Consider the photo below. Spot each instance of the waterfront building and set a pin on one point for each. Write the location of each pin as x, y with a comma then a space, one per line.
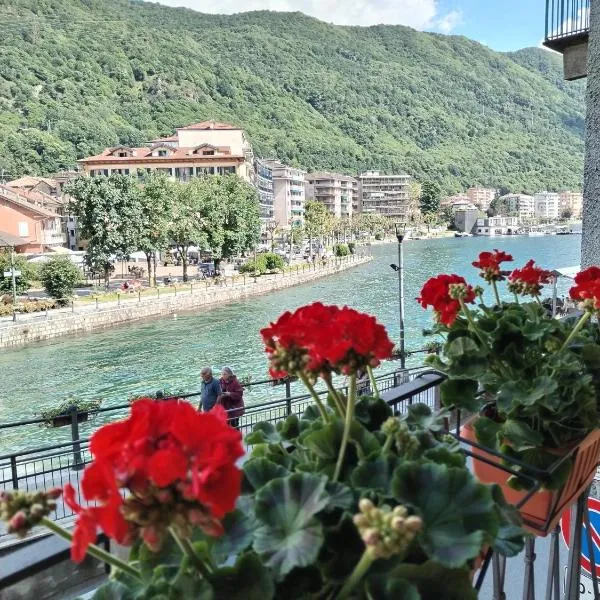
289, 194
493, 226
451, 200
263, 182
339, 193
481, 196
520, 205
32, 220
206, 148
387, 195
546, 205
570, 201
464, 204
465, 219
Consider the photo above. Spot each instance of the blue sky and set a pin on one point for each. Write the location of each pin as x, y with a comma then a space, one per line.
500, 24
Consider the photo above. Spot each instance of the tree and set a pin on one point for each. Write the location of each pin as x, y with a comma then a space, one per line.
157, 199
431, 195
110, 215
317, 221
566, 213
414, 199
60, 276
29, 272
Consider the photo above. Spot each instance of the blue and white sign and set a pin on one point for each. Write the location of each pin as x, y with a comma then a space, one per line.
565, 526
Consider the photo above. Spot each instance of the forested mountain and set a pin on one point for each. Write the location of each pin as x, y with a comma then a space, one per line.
79, 75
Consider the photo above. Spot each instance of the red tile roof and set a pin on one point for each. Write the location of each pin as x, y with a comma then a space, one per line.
19, 200
209, 125
145, 154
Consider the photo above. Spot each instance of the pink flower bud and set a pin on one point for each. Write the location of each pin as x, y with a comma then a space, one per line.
54, 493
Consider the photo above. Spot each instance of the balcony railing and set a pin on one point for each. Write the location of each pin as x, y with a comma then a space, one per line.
567, 22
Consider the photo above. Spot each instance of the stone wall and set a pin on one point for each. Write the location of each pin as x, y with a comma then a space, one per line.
67, 322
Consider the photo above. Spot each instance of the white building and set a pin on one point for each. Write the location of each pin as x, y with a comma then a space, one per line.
493, 226
338, 192
546, 205
289, 194
520, 205
387, 195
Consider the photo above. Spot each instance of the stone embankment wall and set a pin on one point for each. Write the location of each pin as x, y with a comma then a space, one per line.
68, 322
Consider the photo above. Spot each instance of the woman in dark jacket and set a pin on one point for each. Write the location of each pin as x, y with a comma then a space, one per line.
232, 396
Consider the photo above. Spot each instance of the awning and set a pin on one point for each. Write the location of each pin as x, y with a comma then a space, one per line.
566, 272
8, 240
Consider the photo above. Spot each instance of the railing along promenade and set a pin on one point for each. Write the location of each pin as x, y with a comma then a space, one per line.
566, 20
56, 464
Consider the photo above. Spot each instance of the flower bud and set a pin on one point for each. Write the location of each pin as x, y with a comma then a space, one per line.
365, 505
414, 523
18, 522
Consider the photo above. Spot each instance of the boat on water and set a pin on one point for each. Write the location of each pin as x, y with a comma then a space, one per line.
535, 232
462, 234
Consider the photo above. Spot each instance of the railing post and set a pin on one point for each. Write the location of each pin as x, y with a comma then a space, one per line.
77, 460
96, 303
72, 306
118, 299
13, 472
288, 396
139, 295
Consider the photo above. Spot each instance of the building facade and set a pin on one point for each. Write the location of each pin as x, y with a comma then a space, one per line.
387, 195
465, 219
339, 193
492, 226
546, 205
520, 205
263, 182
572, 202
289, 194
206, 148
481, 197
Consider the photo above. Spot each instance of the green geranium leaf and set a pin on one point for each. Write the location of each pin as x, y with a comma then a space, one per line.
420, 416
263, 433
259, 471
341, 551
340, 495
290, 428
591, 355
189, 585
457, 511
443, 455
486, 431
460, 393
372, 412
273, 452
290, 536
169, 555
380, 587
376, 475
461, 347
511, 537
521, 436
248, 579
300, 584
311, 413
113, 590
435, 582
239, 528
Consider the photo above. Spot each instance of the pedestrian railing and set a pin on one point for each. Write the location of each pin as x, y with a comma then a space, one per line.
566, 21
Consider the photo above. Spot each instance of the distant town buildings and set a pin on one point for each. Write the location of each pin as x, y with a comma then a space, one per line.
339, 193
289, 194
493, 226
206, 148
520, 205
263, 181
546, 205
570, 201
481, 197
387, 195
465, 219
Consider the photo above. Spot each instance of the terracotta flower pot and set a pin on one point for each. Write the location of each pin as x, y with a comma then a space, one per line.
543, 510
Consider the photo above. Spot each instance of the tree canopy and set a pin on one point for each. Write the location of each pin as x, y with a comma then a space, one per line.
81, 75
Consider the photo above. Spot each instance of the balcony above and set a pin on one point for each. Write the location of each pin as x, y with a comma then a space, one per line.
567, 32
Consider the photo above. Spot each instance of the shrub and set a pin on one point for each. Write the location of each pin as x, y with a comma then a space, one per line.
352, 247
273, 261
28, 270
254, 266
59, 277
379, 236
341, 250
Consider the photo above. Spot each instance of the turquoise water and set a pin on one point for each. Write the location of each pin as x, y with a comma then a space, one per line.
147, 356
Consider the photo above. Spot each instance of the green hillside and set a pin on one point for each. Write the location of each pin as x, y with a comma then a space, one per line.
79, 75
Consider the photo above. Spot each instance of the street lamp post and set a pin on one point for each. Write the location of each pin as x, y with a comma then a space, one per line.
399, 268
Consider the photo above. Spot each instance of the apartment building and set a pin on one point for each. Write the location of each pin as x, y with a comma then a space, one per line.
572, 201
546, 205
520, 205
387, 195
263, 182
206, 148
481, 197
493, 226
289, 194
339, 193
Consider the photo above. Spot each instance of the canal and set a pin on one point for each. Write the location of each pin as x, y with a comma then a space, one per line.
168, 353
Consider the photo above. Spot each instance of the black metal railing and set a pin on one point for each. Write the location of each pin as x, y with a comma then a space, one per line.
566, 22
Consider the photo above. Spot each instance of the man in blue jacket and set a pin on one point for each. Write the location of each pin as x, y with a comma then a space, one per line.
210, 389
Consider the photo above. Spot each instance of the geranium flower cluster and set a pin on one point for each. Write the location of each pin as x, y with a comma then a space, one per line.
320, 340
489, 264
587, 289
178, 465
23, 510
444, 293
529, 280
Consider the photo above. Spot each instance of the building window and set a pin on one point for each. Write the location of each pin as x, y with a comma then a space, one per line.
162, 153
23, 229
208, 153
72, 232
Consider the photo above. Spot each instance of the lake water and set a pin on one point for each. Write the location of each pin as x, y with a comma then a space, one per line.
146, 356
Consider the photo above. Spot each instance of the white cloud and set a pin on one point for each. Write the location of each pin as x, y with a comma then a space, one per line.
420, 14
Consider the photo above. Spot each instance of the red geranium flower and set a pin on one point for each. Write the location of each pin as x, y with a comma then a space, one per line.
587, 288
442, 293
169, 456
529, 279
319, 339
489, 263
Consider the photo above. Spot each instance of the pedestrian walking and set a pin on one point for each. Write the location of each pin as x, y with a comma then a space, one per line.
232, 396
210, 390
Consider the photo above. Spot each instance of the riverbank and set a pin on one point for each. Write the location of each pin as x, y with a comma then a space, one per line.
89, 317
